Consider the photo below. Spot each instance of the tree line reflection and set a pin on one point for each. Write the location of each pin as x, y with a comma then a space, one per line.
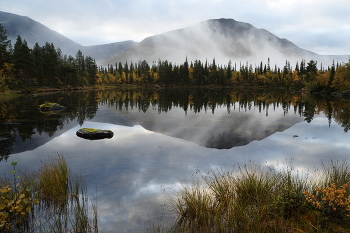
20, 118
209, 100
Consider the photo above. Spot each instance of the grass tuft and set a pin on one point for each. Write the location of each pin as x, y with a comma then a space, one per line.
255, 199
53, 176
50, 200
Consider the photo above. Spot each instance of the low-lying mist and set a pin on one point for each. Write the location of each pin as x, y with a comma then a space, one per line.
222, 40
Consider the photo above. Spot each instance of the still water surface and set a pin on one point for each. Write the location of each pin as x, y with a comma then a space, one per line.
162, 138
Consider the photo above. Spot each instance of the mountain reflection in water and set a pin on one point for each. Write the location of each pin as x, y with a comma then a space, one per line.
221, 131
162, 138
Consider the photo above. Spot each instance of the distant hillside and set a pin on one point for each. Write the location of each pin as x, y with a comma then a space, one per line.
33, 31
107, 51
222, 39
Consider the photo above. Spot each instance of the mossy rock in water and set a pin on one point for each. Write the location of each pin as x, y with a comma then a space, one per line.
92, 134
47, 106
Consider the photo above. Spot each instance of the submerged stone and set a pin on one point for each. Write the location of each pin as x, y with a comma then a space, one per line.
93, 134
51, 107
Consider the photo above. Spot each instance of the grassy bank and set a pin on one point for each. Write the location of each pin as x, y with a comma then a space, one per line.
48, 200
251, 199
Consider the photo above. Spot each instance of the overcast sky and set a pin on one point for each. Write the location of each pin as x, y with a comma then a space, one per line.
321, 26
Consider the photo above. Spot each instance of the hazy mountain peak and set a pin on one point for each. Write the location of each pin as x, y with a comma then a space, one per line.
223, 39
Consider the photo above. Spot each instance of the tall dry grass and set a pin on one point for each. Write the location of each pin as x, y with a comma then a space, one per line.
255, 199
62, 203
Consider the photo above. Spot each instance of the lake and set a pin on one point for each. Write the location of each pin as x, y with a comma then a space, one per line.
163, 137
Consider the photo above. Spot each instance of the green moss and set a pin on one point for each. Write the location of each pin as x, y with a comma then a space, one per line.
90, 130
48, 105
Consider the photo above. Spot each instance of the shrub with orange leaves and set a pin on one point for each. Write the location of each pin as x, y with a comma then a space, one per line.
16, 202
333, 202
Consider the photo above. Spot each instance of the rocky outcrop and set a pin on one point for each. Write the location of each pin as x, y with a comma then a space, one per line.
93, 134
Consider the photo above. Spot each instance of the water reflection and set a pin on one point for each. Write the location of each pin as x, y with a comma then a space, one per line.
230, 126
23, 127
128, 171
158, 144
222, 131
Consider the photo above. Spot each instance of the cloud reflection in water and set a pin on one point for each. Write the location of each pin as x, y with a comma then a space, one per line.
127, 172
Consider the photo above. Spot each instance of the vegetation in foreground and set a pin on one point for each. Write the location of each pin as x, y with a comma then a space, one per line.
48, 200
251, 199
248, 199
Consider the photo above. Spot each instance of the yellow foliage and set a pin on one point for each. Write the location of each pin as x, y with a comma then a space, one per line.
13, 205
333, 200
99, 81
296, 77
123, 77
155, 77
322, 78
111, 78
339, 81
262, 78
295, 100
6, 75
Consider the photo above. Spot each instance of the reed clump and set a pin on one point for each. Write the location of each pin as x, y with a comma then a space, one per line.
53, 179
255, 199
51, 199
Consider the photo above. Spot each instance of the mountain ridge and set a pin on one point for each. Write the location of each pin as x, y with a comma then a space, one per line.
222, 39
32, 31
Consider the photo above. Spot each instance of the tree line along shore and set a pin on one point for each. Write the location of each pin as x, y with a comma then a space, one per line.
27, 68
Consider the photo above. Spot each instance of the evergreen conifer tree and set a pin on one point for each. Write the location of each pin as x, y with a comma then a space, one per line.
4, 45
